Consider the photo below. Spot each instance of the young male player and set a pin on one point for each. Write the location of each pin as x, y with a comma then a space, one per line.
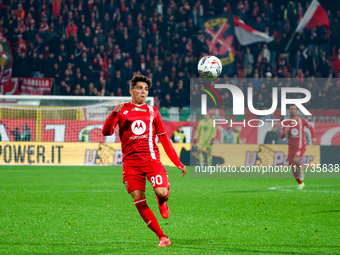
297, 143
139, 123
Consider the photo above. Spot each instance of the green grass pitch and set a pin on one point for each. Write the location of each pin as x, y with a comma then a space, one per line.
86, 210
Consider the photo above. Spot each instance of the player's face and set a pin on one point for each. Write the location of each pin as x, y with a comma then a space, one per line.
293, 111
139, 92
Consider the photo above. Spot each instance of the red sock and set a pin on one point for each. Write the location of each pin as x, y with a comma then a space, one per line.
148, 217
296, 173
161, 200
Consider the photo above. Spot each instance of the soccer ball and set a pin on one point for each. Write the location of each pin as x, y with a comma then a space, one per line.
209, 67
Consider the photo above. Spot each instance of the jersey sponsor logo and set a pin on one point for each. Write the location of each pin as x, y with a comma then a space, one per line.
138, 109
294, 131
138, 127
139, 137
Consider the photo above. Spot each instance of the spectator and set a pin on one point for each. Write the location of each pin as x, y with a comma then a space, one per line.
237, 135
25, 134
228, 135
248, 61
178, 136
271, 136
15, 133
85, 137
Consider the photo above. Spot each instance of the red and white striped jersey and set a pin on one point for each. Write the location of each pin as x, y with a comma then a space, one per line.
138, 127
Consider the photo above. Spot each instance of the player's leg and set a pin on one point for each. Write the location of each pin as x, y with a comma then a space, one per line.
135, 185
208, 148
298, 162
200, 158
162, 194
158, 177
200, 147
146, 213
295, 168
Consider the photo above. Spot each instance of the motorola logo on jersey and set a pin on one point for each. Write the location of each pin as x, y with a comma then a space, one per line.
138, 127
294, 132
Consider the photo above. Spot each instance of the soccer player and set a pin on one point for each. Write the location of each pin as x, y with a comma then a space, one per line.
139, 123
297, 143
207, 132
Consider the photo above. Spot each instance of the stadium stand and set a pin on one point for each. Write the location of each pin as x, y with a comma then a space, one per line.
94, 47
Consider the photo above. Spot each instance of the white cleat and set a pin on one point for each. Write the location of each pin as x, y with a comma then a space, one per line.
300, 186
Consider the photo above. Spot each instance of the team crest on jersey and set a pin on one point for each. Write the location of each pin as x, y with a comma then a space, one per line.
138, 109
138, 127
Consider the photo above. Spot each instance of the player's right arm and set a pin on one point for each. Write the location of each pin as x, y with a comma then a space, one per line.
284, 132
112, 120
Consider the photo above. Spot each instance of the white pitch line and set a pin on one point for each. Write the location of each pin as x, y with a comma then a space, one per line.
286, 188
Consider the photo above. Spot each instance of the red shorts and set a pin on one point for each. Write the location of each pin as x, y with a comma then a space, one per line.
295, 152
134, 176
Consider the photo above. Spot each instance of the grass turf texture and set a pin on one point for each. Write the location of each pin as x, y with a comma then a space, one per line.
86, 210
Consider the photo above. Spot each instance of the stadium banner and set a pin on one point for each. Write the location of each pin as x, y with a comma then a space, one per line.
36, 86
221, 41
10, 129
72, 130
11, 87
259, 161
327, 133
44, 153
324, 116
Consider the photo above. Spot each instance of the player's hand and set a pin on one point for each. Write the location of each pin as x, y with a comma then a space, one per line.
211, 141
183, 169
118, 108
286, 130
314, 141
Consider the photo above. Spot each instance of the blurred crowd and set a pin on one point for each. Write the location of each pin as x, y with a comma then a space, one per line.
94, 47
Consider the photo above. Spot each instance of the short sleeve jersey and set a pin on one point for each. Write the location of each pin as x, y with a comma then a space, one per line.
138, 127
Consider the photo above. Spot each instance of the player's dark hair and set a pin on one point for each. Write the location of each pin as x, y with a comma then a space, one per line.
141, 78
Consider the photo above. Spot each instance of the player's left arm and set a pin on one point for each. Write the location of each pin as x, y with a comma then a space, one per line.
167, 145
311, 129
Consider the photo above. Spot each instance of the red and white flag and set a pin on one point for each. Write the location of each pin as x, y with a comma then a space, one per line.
248, 35
314, 16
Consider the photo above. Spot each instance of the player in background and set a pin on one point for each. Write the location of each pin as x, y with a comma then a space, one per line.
139, 123
297, 143
206, 133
